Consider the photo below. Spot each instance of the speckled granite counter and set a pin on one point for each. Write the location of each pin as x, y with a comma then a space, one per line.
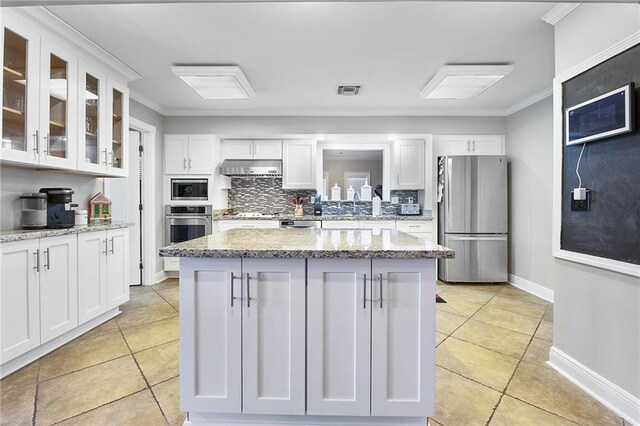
308, 243
23, 234
327, 217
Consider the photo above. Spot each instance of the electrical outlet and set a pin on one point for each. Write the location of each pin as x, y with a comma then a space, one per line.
581, 205
394, 200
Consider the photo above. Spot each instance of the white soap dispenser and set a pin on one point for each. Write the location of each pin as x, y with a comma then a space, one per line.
335, 193
365, 191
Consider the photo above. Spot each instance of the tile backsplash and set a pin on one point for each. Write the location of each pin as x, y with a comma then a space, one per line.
265, 195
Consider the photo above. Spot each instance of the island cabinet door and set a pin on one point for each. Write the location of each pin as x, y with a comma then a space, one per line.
403, 332
338, 337
210, 335
273, 338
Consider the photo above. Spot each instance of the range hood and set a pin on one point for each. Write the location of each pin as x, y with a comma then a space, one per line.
255, 168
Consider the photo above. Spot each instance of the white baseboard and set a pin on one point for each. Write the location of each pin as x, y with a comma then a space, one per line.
609, 394
531, 287
161, 276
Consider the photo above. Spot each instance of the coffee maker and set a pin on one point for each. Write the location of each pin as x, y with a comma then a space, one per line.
59, 213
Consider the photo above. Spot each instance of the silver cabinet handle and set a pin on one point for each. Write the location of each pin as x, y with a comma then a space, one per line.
36, 136
468, 145
112, 251
364, 297
105, 156
232, 296
398, 178
380, 290
248, 291
111, 155
106, 248
184, 163
47, 142
189, 163
37, 255
46, 265
473, 145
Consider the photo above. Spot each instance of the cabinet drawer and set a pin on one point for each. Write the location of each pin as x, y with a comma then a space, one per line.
377, 224
414, 226
339, 224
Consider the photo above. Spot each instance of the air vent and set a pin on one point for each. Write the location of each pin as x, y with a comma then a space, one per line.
348, 90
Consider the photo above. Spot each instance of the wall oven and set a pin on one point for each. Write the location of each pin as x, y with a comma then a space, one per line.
189, 189
184, 223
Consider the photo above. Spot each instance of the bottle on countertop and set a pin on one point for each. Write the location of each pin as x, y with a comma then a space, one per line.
365, 191
335, 193
317, 206
350, 193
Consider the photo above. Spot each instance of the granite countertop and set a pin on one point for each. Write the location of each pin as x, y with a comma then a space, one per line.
30, 234
309, 243
326, 217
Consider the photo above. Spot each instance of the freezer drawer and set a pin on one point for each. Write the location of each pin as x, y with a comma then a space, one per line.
479, 259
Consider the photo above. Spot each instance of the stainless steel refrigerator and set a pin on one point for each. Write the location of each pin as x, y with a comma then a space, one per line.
472, 218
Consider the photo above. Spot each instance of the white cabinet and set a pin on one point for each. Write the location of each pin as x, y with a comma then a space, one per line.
408, 162
403, 332
417, 228
242, 335
471, 145
19, 298
273, 336
225, 225
92, 275
58, 286
298, 164
395, 298
338, 337
251, 149
103, 268
56, 109
211, 335
188, 154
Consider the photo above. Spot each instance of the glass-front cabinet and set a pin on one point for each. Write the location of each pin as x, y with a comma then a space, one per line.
92, 99
61, 108
118, 101
20, 86
58, 105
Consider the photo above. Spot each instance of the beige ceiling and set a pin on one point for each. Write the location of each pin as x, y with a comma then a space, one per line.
296, 54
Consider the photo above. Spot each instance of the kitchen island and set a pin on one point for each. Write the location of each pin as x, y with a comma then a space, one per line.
307, 326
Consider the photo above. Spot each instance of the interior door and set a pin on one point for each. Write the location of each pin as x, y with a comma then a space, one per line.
403, 332
338, 337
479, 258
273, 336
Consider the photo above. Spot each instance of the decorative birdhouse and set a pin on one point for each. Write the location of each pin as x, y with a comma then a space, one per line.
99, 209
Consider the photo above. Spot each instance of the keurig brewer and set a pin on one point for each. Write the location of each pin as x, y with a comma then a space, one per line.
59, 213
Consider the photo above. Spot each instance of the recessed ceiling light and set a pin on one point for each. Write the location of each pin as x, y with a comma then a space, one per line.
463, 81
216, 82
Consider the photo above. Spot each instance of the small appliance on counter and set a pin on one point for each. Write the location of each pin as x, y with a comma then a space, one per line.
82, 217
59, 213
34, 210
409, 209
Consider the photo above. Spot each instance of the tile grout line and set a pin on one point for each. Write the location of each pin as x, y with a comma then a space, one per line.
35, 397
144, 377
465, 321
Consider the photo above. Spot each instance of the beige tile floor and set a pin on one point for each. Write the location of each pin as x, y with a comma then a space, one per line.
492, 342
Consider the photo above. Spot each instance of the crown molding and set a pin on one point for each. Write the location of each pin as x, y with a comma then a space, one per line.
334, 112
141, 99
60, 29
556, 14
533, 99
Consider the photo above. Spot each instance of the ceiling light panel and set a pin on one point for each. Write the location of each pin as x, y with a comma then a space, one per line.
463, 81
216, 82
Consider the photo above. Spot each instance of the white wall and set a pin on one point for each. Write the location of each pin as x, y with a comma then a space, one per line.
597, 312
530, 155
337, 125
337, 167
18, 180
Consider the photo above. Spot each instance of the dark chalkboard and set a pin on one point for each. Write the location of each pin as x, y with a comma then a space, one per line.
610, 169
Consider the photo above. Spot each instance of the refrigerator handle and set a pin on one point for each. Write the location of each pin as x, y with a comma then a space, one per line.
447, 190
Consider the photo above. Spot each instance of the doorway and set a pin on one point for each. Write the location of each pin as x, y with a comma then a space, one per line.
133, 201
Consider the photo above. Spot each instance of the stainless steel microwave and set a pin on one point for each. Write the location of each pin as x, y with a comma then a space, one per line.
190, 189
